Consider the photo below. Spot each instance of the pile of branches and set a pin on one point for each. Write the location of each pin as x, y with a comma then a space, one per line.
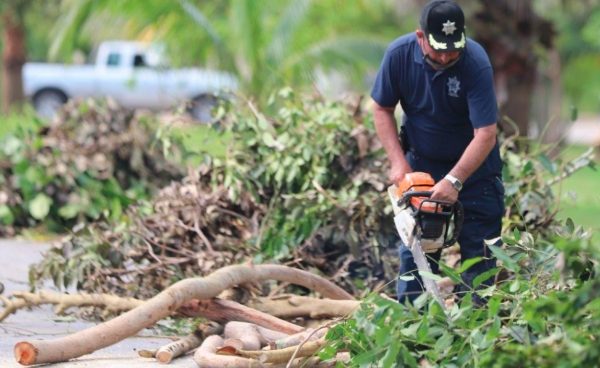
303, 184
252, 336
314, 199
190, 229
92, 161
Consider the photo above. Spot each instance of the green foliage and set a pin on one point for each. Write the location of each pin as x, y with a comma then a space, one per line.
581, 78
543, 312
540, 317
22, 123
577, 24
530, 178
77, 170
303, 161
302, 172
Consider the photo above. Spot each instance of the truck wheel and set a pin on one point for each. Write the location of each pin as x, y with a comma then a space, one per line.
48, 102
201, 108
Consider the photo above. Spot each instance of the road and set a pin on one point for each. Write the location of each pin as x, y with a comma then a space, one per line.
42, 323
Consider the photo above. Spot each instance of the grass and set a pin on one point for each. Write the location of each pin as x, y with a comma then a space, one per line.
579, 195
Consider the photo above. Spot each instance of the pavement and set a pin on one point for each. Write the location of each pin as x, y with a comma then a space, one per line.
586, 130
42, 323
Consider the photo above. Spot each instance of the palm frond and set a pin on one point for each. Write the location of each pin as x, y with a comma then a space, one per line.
248, 37
224, 54
286, 28
68, 28
354, 54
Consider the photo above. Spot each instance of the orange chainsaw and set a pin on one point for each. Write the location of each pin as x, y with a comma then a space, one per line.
425, 225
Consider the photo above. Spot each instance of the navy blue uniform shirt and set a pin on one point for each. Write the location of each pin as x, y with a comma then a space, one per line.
441, 108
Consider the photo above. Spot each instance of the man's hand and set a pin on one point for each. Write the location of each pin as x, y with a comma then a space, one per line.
397, 171
385, 126
444, 191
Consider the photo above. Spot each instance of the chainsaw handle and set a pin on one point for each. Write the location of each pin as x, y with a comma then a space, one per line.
459, 216
457, 209
408, 195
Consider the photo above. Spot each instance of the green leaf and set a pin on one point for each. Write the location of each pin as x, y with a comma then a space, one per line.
468, 264
574, 113
451, 273
430, 275
443, 343
547, 163
389, 359
367, 357
507, 261
268, 140
11, 145
423, 330
570, 225
39, 207
493, 306
517, 235
410, 331
484, 276
6, 215
514, 286
69, 211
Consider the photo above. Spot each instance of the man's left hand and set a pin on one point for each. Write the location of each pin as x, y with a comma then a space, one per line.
444, 191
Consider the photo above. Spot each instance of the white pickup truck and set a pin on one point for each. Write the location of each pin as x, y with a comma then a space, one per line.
133, 74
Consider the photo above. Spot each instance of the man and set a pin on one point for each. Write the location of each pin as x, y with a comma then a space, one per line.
444, 83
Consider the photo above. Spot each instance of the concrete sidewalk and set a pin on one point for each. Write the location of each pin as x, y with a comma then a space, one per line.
42, 323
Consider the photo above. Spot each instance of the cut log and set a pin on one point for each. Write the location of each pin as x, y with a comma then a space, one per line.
252, 336
22, 299
247, 333
291, 306
280, 356
167, 353
296, 339
206, 357
162, 305
226, 310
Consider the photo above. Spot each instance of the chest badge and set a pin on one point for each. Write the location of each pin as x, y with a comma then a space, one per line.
453, 86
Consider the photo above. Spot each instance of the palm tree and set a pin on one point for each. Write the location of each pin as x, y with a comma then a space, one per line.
247, 38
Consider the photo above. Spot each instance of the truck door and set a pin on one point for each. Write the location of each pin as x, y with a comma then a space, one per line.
127, 78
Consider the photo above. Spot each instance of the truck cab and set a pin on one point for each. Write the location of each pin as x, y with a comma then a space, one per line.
134, 74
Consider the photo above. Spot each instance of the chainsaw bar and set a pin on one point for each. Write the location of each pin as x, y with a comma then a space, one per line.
409, 234
423, 266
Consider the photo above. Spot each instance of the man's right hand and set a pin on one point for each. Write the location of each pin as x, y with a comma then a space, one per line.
385, 126
397, 171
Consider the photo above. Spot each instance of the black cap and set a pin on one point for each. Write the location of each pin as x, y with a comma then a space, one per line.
443, 23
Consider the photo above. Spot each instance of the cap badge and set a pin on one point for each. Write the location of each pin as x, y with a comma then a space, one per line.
449, 27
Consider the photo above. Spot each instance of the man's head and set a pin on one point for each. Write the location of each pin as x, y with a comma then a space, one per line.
442, 33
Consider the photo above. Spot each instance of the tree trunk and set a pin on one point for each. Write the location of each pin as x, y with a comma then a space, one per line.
510, 31
13, 59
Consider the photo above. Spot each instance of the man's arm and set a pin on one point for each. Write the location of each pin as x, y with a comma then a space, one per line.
387, 131
477, 151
